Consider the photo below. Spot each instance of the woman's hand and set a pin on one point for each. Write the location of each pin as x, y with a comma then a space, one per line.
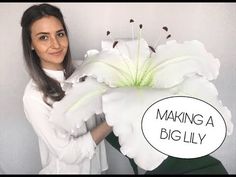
100, 132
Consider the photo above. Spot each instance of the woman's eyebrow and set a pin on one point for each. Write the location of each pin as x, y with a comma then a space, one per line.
41, 33
60, 30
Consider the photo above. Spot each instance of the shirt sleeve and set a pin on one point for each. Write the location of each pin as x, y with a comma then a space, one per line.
59, 142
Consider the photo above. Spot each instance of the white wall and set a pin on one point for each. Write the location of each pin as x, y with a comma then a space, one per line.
212, 23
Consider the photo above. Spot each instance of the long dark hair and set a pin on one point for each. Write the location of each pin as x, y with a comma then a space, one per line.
49, 86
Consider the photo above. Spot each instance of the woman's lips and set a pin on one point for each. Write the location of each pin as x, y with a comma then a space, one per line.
58, 53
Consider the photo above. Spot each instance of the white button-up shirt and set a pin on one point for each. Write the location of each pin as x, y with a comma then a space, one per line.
72, 152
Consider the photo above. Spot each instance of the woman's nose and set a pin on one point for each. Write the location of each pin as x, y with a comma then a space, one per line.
55, 43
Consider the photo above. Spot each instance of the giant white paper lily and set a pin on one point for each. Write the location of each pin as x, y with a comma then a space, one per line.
135, 79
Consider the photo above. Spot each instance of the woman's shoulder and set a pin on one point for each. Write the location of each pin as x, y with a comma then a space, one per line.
34, 106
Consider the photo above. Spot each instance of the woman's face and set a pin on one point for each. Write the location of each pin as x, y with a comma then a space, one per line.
50, 42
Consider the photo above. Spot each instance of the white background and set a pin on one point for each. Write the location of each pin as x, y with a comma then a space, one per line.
214, 24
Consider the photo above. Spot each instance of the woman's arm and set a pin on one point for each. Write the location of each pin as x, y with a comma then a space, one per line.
66, 148
100, 132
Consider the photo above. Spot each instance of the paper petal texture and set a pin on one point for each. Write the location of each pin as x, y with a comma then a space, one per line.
201, 88
124, 108
81, 102
174, 61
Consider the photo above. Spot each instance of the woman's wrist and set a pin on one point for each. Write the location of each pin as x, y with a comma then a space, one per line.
100, 132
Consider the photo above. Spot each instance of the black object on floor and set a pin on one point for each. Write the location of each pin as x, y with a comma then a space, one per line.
201, 165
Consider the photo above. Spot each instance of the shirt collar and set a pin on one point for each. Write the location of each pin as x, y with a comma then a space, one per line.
55, 74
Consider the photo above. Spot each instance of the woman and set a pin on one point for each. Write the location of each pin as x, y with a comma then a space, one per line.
48, 60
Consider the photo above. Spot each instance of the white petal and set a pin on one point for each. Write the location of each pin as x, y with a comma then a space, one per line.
116, 66
108, 67
81, 102
201, 88
123, 108
174, 61
91, 52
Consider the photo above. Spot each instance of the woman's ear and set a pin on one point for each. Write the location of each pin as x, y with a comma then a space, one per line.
32, 48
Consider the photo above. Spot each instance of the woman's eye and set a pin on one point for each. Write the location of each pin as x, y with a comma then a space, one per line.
61, 34
43, 38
